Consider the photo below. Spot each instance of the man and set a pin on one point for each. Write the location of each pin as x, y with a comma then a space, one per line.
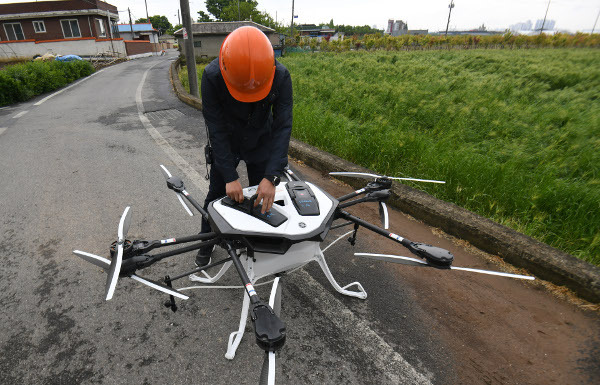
247, 108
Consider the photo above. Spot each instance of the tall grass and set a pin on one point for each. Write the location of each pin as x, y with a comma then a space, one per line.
21, 82
183, 76
516, 134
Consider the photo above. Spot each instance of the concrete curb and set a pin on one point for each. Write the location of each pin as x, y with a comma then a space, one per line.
520, 250
179, 90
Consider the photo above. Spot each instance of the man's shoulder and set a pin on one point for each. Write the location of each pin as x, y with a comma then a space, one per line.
213, 69
281, 72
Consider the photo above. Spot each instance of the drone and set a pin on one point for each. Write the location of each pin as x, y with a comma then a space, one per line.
270, 244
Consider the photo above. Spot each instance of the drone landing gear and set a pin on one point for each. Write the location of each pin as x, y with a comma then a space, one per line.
361, 293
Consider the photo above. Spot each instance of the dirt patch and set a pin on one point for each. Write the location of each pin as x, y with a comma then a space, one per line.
499, 330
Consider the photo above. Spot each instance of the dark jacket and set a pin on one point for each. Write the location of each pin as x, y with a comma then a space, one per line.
255, 132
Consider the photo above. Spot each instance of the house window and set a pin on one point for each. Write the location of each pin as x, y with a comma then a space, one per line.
197, 44
100, 28
70, 28
14, 31
39, 27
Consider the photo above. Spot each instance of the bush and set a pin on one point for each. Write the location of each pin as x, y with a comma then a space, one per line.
23, 81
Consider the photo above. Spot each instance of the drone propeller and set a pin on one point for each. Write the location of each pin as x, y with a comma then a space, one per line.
383, 215
417, 262
104, 263
115, 263
369, 176
168, 175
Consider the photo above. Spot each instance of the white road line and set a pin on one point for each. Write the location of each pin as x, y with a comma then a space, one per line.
2, 129
383, 356
66, 88
20, 114
183, 165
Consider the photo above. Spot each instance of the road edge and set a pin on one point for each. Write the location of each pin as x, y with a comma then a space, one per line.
518, 249
178, 87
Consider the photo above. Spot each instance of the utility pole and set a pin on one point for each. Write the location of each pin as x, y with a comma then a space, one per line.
449, 13
239, 14
594, 27
148, 20
131, 25
111, 31
178, 17
292, 24
544, 22
188, 42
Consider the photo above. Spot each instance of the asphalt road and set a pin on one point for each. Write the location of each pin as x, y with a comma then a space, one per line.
71, 163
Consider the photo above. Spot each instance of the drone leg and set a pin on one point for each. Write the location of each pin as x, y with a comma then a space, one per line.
209, 279
361, 293
236, 337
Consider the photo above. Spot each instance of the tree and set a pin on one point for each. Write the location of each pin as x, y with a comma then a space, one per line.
159, 23
215, 7
203, 17
175, 28
331, 25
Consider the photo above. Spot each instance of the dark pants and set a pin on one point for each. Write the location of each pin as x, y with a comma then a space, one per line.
216, 188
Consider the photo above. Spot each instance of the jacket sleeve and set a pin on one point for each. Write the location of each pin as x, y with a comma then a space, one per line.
281, 127
218, 131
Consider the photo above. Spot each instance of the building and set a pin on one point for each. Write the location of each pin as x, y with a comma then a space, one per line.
548, 25
51, 20
81, 27
415, 32
208, 37
396, 28
142, 31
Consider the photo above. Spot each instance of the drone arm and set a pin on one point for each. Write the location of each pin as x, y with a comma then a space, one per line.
375, 196
195, 204
142, 246
170, 253
291, 174
269, 330
435, 256
394, 237
352, 195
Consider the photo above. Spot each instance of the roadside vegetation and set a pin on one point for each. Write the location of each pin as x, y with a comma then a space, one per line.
436, 42
21, 82
515, 133
183, 76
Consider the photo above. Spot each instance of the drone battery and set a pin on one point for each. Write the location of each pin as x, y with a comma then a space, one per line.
304, 199
272, 217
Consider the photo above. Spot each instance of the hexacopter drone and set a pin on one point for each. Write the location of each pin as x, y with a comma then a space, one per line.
270, 244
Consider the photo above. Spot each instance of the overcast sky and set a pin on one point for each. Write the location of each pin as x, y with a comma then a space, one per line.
573, 15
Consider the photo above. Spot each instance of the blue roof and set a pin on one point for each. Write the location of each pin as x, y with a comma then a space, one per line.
145, 27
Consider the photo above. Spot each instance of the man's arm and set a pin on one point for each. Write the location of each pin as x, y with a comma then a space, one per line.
281, 132
219, 134
281, 128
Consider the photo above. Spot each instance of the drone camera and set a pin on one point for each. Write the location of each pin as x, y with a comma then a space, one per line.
269, 329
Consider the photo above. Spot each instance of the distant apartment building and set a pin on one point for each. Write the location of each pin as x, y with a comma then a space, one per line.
525, 26
396, 28
548, 25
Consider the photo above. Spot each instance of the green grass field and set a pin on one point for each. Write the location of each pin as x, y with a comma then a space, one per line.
515, 133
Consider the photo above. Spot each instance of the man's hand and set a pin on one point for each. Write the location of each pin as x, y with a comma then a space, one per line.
266, 194
234, 191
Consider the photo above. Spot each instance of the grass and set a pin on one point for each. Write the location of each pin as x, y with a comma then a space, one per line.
183, 76
516, 134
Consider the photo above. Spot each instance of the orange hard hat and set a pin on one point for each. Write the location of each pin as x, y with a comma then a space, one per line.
247, 63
